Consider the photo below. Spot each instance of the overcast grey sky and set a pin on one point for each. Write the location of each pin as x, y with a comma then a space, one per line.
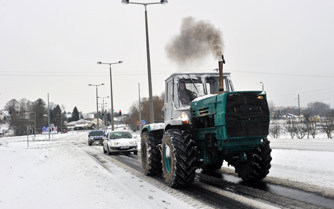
53, 46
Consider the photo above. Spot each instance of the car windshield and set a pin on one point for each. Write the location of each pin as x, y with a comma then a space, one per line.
119, 135
96, 133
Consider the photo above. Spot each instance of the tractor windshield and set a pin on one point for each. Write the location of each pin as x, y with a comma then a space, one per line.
193, 87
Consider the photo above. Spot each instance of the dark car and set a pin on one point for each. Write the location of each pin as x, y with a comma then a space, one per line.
95, 136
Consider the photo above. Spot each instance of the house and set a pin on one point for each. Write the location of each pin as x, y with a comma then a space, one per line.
4, 115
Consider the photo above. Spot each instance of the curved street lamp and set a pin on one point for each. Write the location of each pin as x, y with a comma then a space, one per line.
97, 104
148, 53
111, 93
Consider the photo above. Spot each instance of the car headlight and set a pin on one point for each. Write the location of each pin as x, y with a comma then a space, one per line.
113, 143
184, 117
133, 143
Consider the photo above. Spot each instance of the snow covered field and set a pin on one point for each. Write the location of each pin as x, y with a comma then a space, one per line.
58, 174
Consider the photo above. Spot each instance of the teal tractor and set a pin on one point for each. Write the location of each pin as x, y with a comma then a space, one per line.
206, 123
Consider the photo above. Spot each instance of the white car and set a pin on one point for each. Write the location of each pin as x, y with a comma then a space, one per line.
119, 142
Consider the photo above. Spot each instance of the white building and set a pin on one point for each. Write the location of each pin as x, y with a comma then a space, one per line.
4, 115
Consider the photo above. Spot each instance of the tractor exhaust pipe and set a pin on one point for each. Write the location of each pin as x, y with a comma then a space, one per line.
221, 79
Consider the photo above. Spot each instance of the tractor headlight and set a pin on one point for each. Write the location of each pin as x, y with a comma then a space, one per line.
184, 117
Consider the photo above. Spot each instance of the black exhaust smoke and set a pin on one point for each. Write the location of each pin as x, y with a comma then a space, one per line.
196, 40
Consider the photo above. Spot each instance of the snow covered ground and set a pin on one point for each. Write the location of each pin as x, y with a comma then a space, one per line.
304, 160
307, 161
58, 174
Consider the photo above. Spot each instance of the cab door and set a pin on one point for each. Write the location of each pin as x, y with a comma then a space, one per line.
169, 97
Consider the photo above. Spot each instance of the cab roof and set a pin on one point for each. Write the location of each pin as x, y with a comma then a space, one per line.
181, 75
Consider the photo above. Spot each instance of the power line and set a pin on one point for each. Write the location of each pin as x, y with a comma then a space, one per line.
286, 74
77, 75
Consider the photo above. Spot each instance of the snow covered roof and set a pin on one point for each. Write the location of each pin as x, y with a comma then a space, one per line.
195, 75
4, 113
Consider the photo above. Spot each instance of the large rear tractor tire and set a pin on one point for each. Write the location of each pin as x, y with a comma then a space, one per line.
257, 166
178, 153
150, 154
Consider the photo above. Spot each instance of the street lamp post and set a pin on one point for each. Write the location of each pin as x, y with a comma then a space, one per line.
148, 53
104, 115
111, 94
262, 86
97, 103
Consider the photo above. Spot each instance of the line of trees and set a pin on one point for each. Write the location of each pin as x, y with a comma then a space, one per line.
34, 115
133, 119
317, 118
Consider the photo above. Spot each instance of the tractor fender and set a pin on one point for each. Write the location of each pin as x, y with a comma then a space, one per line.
173, 124
153, 127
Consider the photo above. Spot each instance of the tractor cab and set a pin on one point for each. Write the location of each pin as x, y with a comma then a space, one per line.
183, 88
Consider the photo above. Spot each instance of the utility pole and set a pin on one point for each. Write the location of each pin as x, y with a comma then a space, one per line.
97, 110
103, 109
49, 117
61, 123
139, 107
27, 136
34, 125
298, 106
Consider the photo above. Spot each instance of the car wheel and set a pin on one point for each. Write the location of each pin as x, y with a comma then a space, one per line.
89, 144
104, 150
135, 153
108, 151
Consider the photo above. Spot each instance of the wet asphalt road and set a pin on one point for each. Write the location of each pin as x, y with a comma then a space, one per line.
277, 195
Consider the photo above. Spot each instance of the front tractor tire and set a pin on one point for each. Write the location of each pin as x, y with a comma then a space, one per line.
257, 166
178, 155
150, 154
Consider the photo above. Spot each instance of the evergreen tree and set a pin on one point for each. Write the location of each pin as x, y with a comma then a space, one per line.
41, 114
56, 116
75, 114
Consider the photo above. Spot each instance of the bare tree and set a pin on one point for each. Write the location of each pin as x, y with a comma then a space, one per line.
327, 124
302, 130
275, 130
291, 127
307, 122
158, 103
313, 126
